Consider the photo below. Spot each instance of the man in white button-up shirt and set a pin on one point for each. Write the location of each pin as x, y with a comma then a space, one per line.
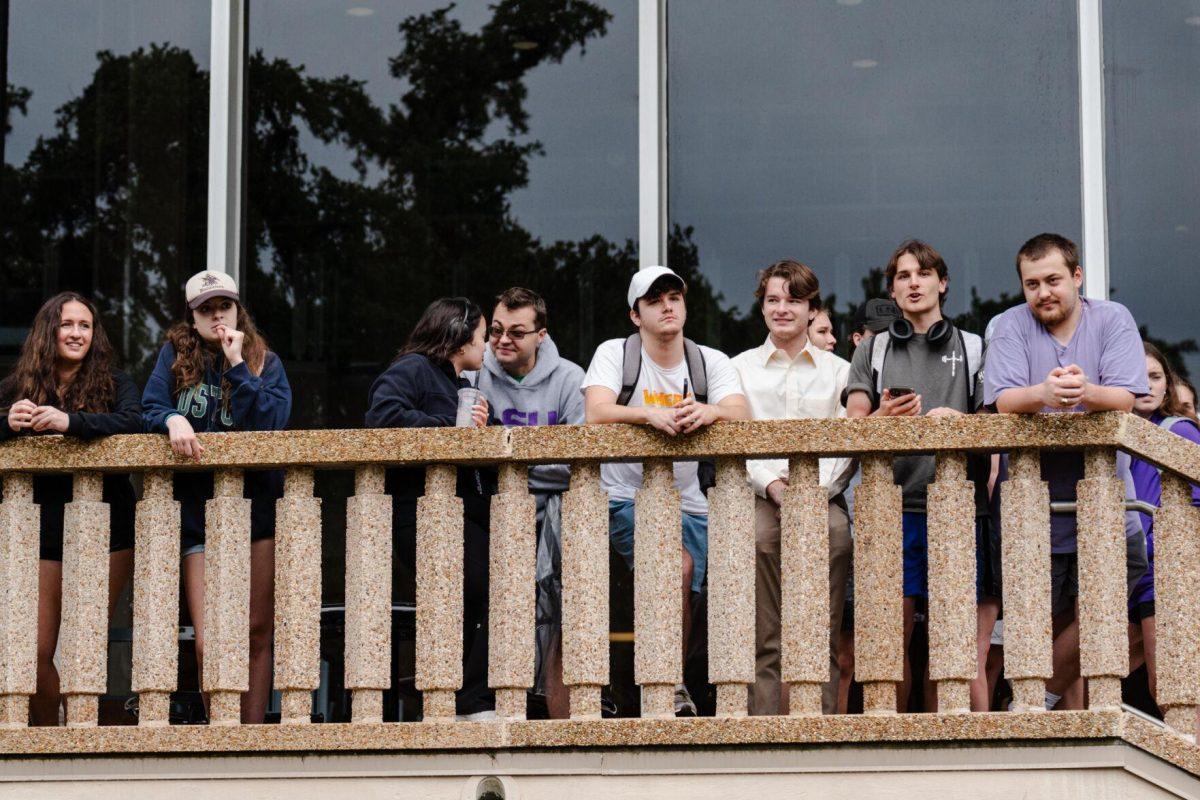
789, 377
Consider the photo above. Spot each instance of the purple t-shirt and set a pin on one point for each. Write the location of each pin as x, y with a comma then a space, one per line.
1106, 346
1148, 484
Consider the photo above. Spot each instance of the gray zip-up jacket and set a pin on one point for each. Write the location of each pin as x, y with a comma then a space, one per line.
548, 395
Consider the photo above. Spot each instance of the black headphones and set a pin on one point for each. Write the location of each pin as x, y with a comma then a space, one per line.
901, 330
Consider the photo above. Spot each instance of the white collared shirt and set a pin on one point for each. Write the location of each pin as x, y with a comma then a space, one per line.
808, 386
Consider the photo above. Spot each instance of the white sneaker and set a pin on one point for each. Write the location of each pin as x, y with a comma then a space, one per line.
684, 707
478, 716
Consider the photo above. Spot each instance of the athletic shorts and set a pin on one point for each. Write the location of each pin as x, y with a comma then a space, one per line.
916, 557
1064, 574
695, 537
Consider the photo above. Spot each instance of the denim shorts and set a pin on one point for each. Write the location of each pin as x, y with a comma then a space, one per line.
695, 537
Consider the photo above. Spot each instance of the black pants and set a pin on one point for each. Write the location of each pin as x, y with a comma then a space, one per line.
475, 695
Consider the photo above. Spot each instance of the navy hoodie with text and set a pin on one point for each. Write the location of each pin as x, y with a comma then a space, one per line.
256, 403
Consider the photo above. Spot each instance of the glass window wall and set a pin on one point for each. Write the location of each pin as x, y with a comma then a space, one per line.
831, 131
105, 161
1152, 149
400, 151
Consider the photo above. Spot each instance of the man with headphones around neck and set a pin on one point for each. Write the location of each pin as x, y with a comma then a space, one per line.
923, 364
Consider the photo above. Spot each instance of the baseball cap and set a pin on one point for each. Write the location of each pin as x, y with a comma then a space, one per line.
876, 315
642, 280
207, 285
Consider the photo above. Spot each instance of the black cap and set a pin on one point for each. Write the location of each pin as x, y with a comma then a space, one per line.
876, 315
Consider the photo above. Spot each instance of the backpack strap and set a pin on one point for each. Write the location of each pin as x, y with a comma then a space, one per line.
1169, 422
878, 354
972, 347
631, 367
696, 369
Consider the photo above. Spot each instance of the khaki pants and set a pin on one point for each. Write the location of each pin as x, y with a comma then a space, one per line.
764, 693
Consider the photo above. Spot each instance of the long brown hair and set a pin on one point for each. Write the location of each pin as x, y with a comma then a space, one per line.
1171, 406
35, 376
193, 356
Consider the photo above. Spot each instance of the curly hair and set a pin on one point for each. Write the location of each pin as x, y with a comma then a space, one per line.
194, 356
35, 376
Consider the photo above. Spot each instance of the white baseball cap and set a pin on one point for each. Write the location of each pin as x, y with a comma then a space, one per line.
207, 285
643, 278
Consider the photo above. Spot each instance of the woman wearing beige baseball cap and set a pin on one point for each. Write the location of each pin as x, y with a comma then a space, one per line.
215, 373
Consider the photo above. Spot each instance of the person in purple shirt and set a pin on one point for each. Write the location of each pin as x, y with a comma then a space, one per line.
1162, 407
1061, 353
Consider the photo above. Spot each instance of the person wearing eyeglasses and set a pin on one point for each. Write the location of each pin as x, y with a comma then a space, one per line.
529, 383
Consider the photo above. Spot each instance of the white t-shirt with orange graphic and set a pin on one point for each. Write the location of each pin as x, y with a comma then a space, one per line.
661, 387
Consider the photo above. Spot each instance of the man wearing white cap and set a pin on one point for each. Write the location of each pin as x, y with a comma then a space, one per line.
658, 378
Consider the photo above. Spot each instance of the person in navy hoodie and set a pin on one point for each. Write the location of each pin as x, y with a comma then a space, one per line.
215, 374
420, 390
65, 382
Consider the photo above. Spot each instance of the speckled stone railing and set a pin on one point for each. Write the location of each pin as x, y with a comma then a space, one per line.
298, 597
83, 641
585, 590
951, 507
804, 568
18, 600
658, 656
156, 599
1025, 561
226, 598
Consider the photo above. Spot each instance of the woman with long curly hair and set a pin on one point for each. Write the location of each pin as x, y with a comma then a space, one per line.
65, 382
216, 373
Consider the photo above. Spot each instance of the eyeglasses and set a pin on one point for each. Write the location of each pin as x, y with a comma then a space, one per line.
516, 334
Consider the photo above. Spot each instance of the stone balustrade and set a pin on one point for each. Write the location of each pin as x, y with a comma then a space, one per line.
585, 564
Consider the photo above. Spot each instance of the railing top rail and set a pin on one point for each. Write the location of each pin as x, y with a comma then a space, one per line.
551, 444
331, 449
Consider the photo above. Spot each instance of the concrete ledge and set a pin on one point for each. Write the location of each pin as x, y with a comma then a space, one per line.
549, 444
996, 754
576, 733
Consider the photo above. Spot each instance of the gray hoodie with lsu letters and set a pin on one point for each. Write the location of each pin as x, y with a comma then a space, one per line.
548, 395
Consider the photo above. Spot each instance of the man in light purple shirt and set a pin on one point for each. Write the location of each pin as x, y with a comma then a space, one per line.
1057, 353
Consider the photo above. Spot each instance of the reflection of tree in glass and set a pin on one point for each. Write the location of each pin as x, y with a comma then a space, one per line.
342, 268
112, 201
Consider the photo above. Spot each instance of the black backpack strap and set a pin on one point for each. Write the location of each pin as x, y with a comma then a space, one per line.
631, 367
697, 370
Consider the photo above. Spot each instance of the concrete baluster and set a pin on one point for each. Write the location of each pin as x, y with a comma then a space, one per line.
1103, 645
19, 524
226, 598
297, 596
440, 592
658, 629
369, 594
585, 589
952, 651
1177, 595
1025, 563
731, 586
512, 591
878, 586
83, 643
156, 599
804, 560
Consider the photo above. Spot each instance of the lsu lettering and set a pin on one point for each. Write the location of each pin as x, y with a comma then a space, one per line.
660, 399
513, 417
